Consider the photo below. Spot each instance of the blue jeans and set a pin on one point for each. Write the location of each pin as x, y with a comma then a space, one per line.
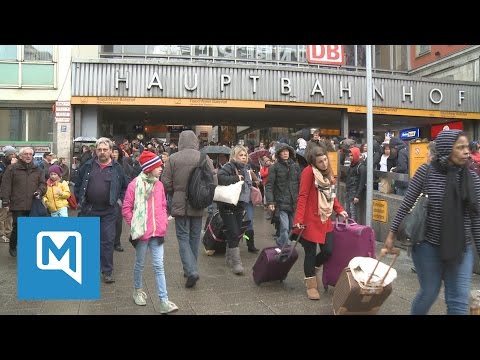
62, 212
431, 270
157, 263
249, 208
286, 223
188, 229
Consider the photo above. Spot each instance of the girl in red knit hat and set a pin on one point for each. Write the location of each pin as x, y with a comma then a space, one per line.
145, 210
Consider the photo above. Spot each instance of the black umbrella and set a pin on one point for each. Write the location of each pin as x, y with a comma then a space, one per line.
215, 149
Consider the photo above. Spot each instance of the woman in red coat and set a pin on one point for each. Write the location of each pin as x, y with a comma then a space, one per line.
316, 202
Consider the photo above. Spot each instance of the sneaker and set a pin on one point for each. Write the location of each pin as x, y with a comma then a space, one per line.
5, 239
170, 217
108, 279
139, 297
167, 307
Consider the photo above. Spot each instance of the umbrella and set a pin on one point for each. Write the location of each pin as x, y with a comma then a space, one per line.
257, 155
212, 149
85, 139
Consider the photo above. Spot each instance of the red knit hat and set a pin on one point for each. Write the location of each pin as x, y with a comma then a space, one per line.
149, 161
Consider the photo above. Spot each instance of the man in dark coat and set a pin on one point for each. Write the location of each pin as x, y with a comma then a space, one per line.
21, 182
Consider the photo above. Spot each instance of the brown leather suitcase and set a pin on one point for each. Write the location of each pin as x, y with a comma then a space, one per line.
351, 299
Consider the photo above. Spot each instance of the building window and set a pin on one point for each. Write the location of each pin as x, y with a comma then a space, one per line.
27, 65
400, 59
38, 52
26, 125
422, 50
8, 52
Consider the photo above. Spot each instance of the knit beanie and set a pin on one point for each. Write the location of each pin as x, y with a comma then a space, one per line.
149, 161
9, 150
55, 169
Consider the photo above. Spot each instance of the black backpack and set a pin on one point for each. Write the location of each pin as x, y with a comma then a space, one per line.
201, 188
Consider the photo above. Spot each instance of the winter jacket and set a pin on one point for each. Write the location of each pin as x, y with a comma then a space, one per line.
52, 200
356, 176
283, 181
307, 210
117, 186
228, 175
177, 173
19, 182
157, 220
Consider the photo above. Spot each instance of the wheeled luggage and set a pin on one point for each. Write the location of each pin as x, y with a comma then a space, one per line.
274, 263
214, 237
353, 298
349, 240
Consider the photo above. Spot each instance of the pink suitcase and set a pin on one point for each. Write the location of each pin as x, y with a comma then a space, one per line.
349, 240
274, 263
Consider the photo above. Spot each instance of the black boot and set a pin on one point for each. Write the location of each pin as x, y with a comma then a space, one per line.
250, 239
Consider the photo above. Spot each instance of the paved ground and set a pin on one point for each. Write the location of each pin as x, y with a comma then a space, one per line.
218, 291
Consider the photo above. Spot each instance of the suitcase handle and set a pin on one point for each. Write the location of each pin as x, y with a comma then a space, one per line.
345, 224
284, 256
383, 252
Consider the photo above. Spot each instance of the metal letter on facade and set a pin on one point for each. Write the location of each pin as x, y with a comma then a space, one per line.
123, 79
460, 96
317, 87
285, 86
155, 82
194, 87
348, 89
405, 94
430, 95
381, 94
226, 79
254, 78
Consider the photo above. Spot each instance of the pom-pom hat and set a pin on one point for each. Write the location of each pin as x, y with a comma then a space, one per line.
149, 161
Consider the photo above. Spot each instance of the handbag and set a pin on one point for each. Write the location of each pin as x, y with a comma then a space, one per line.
414, 224
228, 193
72, 201
256, 196
38, 208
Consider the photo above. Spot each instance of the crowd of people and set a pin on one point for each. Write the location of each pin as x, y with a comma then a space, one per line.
145, 185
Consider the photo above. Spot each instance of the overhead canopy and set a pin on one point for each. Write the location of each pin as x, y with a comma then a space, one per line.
85, 139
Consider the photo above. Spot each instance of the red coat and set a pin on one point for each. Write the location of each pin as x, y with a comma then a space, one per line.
307, 209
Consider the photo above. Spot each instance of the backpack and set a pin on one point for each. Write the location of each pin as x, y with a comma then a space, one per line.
200, 189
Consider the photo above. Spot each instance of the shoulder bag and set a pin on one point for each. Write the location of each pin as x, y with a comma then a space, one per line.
414, 224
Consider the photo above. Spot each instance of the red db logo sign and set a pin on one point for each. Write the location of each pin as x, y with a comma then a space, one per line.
326, 54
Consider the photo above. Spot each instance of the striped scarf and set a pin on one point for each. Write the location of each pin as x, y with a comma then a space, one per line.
143, 189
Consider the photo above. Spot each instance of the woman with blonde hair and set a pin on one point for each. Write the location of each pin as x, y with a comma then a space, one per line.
232, 215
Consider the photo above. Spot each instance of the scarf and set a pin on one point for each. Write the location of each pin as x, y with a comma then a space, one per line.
325, 196
457, 197
143, 189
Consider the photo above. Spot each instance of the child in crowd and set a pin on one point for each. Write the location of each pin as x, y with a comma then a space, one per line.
145, 210
57, 193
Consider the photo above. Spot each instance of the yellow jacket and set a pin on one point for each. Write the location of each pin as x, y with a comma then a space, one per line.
54, 201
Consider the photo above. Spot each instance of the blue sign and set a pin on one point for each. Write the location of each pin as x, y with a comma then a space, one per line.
58, 258
410, 133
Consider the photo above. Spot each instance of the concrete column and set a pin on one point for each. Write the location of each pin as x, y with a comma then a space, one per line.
344, 124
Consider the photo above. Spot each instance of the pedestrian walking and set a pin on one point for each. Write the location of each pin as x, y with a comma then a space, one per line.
453, 223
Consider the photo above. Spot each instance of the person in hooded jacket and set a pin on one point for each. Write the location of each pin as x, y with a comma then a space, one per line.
281, 190
452, 225
355, 184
